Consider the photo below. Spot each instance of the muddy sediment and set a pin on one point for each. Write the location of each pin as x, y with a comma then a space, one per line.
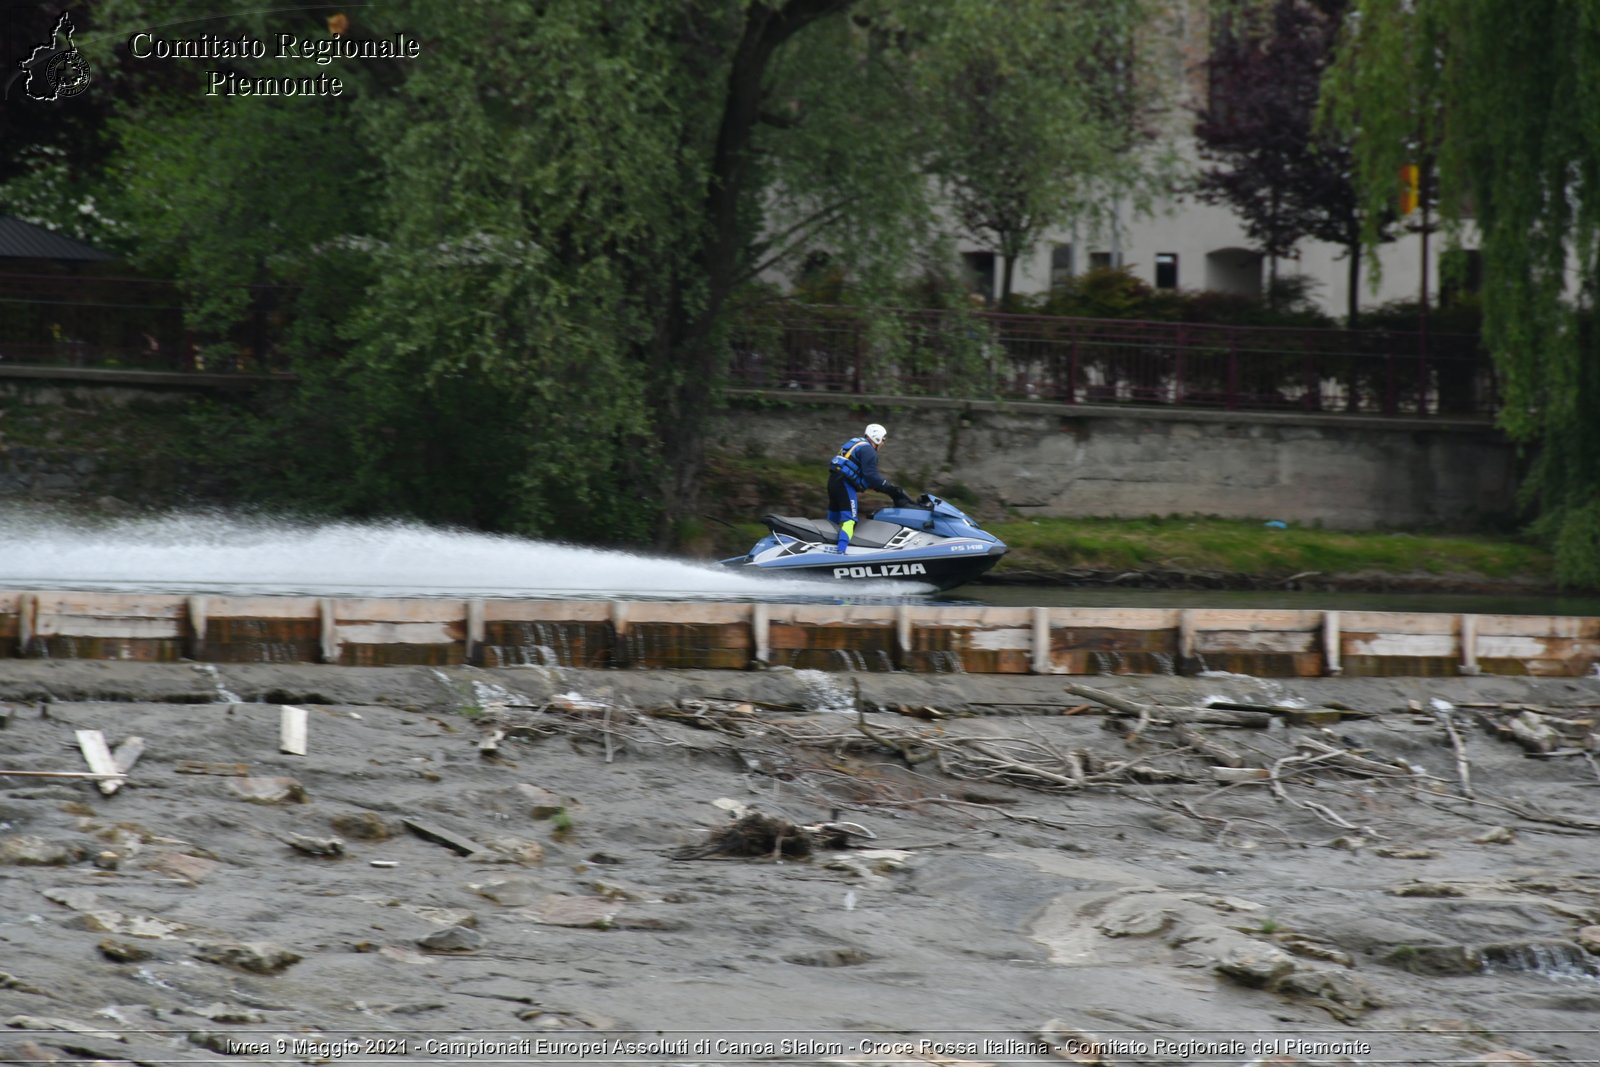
777, 867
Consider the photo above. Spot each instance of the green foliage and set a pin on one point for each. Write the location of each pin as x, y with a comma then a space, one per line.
1503, 93
1115, 293
504, 270
1036, 115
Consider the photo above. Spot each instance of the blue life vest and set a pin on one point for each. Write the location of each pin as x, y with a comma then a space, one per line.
845, 462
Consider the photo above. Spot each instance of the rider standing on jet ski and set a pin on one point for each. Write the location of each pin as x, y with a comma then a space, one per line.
855, 470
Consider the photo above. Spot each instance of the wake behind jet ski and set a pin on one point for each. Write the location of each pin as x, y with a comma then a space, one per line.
931, 542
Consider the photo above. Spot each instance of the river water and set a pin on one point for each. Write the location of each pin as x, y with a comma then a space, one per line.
223, 553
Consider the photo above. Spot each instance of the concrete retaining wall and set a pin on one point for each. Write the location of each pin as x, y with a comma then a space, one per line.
1344, 472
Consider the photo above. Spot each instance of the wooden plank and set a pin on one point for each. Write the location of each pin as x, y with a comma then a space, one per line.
398, 633
123, 759
92, 743
57, 774
1571, 626
1398, 622
1040, 663
261, 607
1114, 618
461, 846
1330, 642
292, 731
27, 619
227, 770
1256, 619
1393, 644
197, 627
546, 611
330, 631
650, 611
113, 605
1013, 639
1217, 641
115, 628
475, 631
760, 628
348, 610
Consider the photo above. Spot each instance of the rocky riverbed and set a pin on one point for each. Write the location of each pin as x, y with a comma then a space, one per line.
682, 867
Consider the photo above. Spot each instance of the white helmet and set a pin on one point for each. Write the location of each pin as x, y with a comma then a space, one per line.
876, 434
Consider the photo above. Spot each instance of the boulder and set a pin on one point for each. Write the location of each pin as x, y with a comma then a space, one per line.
509, 850
181, 866
321, 847
228, 1013
257, 957
511, 892
589, 912
364, 826
542, 803
1255, 965
76, 898
452, 939
268, 790
27, 850
123, 951
1436, 959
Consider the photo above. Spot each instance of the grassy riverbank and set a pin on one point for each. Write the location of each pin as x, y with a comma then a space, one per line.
1176, 550
1235, 547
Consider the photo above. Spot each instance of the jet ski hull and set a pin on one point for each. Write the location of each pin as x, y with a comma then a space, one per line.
941, 572
933, 545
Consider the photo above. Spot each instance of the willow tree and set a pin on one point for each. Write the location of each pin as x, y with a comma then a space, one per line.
1506, 92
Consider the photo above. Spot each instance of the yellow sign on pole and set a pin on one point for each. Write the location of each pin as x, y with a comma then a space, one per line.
1410, 188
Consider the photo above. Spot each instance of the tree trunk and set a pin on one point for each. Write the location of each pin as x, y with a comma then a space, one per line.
1353, 303
1009, 262
686, 352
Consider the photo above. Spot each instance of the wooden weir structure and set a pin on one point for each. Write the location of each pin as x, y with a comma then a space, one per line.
360, 631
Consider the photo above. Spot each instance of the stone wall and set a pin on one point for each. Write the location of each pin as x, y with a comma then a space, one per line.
1344, 472
62, 439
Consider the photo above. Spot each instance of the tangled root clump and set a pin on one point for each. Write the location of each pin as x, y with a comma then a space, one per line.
754, 835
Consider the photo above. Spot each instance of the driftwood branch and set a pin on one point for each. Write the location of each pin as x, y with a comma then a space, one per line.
1158, 713
1463, 765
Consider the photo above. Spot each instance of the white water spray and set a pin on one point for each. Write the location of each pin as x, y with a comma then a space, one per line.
216, 553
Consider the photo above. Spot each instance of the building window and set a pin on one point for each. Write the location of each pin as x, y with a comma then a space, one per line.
1100, 261
1061, 265
980, 273
1166, 270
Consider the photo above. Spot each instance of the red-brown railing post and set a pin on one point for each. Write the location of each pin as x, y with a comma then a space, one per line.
861, 343
1072, 370
1233, 368
1177, 365
1422, 380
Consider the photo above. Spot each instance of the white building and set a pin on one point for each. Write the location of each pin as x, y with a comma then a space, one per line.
1189, 245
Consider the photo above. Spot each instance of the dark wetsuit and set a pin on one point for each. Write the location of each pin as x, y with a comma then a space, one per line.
852, 471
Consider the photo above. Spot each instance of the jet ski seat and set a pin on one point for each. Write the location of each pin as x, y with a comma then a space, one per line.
870, 533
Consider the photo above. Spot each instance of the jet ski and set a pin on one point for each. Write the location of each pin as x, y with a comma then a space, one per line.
931, 542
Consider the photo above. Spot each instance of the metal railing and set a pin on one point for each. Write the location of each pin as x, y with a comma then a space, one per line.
119, 322
138, 324
1111, 361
